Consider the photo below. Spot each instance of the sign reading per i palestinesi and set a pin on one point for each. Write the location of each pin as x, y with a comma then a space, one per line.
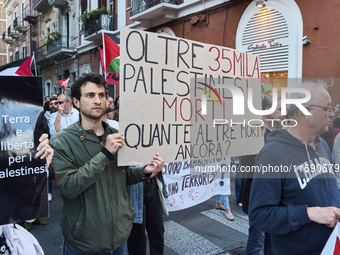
23, 176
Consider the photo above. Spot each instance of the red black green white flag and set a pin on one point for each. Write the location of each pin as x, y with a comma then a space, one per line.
110, 58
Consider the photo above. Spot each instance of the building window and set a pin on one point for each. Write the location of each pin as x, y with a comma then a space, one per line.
102, 3
73, 76
48, 87
83, 6
33, 46
112, 6
86, 68
17, 55
11, 59
66, 74
24, 51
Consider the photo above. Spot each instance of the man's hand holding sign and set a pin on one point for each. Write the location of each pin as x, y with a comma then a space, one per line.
45, 150
116, 141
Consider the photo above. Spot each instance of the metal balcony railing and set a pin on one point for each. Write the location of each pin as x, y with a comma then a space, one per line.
29, 14
20, 25
63, 42
40, 5
138, 6
35, 2
6, 38
104, 21
57, 3
11, 32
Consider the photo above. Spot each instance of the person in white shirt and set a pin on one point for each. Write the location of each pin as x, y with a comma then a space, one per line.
108, 117
65, 116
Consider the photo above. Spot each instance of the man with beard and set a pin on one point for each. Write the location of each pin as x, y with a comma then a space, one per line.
53, 105
97, 215
64, 116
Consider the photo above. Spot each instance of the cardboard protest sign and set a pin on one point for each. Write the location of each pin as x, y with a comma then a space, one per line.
186, 100
23, 177
186, 188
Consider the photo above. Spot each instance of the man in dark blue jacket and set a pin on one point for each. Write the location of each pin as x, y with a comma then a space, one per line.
295, 196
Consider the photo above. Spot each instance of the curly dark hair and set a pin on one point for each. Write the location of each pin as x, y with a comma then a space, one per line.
87, 77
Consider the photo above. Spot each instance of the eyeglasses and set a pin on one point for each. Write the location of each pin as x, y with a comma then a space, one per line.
60, 102
330, 110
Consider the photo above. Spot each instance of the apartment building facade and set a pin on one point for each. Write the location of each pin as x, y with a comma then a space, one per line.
295, 39
58, 41
3, 45
20, 34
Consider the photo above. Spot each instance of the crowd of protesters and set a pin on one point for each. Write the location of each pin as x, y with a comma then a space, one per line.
289, 213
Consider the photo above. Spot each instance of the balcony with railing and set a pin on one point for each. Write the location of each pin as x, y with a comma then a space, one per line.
40, 5
103, 22
154, 10
12, 33
20, 25
29, 14
60, 48
6, 38
93, 28
61, 4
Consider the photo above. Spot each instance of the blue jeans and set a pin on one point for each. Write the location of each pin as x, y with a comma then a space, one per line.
256, 240
120, 251
152, 223
238, 182
224, 199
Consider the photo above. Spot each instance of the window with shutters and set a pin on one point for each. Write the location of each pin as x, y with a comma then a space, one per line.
267, 35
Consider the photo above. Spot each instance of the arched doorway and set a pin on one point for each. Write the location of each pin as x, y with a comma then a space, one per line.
274, 32
47, 87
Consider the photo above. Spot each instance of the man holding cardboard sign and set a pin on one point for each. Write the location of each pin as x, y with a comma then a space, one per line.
97, 215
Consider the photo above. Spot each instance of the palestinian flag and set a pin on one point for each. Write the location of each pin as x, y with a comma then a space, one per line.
110, 58
20, 67
337, 247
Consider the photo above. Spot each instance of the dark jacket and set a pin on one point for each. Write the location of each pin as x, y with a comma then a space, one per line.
247, 178
97, 215
279, 200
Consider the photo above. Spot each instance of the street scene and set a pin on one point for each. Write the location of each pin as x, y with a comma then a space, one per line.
201, 229
169, 127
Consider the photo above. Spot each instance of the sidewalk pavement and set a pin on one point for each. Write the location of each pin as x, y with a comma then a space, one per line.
50, 236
